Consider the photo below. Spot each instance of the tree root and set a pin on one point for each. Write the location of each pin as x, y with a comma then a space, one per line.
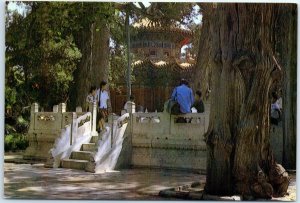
273, 185
279, 179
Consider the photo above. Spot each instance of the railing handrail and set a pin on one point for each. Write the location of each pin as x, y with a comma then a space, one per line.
161, 113
76, 124
165, 124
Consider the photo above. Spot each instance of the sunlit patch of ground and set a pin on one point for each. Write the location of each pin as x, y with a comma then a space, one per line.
33, 181
26, 181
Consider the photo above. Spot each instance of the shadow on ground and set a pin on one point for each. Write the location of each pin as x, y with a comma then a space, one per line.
33, 181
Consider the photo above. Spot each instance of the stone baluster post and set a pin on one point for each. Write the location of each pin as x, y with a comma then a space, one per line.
55, 109
90, 109
62, 108
93, 110
130, 107
34, 109
78, 109
111, 120
74, 127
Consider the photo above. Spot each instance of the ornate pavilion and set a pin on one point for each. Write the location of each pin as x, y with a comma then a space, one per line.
157, 65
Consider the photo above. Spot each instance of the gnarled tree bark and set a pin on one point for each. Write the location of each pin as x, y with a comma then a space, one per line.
244, 66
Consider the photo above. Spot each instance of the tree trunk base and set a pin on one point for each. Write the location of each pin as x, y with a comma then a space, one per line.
195, 191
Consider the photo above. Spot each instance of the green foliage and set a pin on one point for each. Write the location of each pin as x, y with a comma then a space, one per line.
22, 125
117, 70
41, 44
168, 12
118, 50
15, 141
44, 48
16, 116
9, 129
41, 56
10, 96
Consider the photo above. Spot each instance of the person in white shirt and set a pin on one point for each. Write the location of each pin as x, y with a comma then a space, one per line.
91, 97
102, 98
130, 104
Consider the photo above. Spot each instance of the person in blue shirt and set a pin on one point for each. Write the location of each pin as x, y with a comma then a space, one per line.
184, 96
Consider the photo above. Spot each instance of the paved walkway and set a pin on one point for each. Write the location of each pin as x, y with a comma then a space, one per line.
33, 181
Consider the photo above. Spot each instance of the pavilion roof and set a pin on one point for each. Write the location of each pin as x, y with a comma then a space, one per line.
146, 25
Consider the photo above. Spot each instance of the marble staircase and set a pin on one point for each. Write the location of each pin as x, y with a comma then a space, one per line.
83, 158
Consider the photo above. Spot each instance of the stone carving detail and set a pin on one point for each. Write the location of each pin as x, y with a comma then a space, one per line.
122, 122
88, 118
46, 118
66, 119
148, 119
189, 119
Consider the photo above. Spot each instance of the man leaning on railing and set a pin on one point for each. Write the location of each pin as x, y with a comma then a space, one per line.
181, 100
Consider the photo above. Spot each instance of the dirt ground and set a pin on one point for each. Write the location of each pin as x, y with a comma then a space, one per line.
32, 181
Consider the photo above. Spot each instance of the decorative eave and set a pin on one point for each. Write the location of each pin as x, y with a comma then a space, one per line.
175, 65
185, 33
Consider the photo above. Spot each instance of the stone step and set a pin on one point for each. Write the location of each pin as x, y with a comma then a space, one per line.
82, 155
88, 147
74, 164
94, 139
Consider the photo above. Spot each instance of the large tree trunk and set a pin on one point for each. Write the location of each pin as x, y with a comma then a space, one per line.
93, 67
289, 50
201, 76
244, 66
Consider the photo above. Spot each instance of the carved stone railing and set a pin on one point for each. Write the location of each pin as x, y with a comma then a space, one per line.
162, 126
46, 127
158, 140
71, 139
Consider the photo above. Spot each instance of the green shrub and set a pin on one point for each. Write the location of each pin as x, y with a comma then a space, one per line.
15, 142
22, 125
9, 129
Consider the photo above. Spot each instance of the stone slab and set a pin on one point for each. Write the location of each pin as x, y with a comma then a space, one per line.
82, 155
89, 147
74, 164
